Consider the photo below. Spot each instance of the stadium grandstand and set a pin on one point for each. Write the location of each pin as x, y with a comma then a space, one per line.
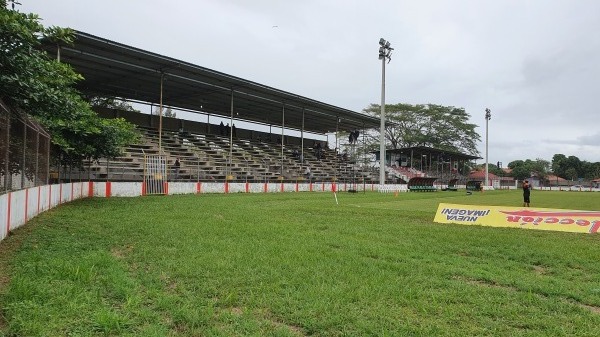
205, 151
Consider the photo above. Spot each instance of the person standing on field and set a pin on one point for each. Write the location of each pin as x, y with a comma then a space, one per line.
526, 193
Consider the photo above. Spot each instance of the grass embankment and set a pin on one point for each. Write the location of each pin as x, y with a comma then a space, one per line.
297, 264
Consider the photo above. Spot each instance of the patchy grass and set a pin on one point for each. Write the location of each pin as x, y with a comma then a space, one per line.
297, 264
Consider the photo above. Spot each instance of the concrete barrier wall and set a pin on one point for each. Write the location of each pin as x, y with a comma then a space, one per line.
17, 207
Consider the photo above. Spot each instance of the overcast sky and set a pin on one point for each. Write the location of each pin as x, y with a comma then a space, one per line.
533, 63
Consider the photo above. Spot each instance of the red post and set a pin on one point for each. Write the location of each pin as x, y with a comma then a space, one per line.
226, 187
198, 187
108, 189
91, 189
247, 187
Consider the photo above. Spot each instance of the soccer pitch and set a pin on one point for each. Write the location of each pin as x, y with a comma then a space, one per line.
297, 264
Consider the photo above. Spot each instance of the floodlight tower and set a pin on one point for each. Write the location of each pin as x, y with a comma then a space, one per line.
488, 116
385, 53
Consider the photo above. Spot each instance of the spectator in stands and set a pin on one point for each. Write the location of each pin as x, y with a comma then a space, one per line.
355, 135
222, 129
308, 173
318, 151
295, 154
234, 130
526, 193
351, 138
227, 129
177, 166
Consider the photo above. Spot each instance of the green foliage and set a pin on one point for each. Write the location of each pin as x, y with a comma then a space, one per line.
110, 103
528, 168
44, 88
572, 168
441, 127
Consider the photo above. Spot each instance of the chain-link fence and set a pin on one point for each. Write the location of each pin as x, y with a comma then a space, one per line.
24, 151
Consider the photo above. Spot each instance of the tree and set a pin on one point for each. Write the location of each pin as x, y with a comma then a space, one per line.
168, 112
44, 88
110, 103
525, 169
559, 164
437, 126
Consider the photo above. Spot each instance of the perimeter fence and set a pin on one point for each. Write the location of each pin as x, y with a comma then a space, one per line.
24, 150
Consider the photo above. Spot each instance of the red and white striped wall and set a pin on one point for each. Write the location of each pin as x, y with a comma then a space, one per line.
17, 207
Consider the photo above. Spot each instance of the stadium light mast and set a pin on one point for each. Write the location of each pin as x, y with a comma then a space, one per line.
385, 52
488, 116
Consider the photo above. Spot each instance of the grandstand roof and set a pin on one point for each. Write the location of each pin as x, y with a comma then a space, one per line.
116, 70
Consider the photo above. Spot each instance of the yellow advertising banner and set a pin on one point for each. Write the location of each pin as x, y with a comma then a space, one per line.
520, 217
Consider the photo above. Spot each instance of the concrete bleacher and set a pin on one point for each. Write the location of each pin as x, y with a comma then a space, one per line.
204, 155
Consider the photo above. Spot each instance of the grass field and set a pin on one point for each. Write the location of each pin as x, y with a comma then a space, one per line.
297, 264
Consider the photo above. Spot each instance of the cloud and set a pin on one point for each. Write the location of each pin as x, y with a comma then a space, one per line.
533, 63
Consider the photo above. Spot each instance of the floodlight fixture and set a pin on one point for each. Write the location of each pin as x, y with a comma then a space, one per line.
382, 42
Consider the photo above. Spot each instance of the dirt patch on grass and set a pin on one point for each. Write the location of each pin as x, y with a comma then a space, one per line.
121, 252
540, 270
293, 329
484, 283
594, 309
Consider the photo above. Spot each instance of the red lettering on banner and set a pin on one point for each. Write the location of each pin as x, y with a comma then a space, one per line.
551, 220
566, 221
513, 218
595, 225
582, 222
